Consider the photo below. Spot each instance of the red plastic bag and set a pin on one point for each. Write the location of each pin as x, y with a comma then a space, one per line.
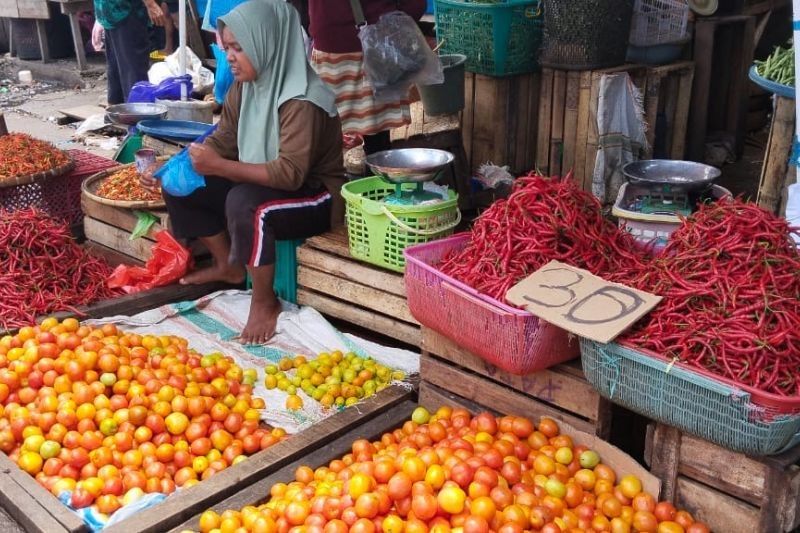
168, 263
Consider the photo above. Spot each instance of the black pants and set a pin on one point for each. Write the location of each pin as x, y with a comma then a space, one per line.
255, 216
127, 56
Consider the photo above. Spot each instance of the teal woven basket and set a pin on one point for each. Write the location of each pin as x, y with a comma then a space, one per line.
499, 39
687, 400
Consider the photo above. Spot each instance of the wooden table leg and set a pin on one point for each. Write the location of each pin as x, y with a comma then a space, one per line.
44, 46
80, 53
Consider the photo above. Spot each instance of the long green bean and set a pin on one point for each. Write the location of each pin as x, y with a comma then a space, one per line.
779, 66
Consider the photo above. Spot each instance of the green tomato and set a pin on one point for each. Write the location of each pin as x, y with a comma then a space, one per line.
420, 415
589, 459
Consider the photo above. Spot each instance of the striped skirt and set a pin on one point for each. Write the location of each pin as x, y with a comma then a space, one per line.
360, 113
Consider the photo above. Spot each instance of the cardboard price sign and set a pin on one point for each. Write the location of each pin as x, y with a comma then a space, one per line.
580, 302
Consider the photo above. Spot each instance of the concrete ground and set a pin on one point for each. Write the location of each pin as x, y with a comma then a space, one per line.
35, 109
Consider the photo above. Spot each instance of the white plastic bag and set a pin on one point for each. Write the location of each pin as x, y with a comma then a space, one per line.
202, 78
397, 56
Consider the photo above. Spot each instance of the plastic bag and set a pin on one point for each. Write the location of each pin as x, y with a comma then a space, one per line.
168, 263
168, 89
397, 56
202, 78
178, 177
223, 78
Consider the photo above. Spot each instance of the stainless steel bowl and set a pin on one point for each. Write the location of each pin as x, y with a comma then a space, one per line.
409, 165
131, 114
677, 175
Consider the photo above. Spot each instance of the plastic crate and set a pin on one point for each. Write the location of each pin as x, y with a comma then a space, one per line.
498, 39
659, 22
285, 284
507, 337
60, 197
651, 231
736, 417
378, 233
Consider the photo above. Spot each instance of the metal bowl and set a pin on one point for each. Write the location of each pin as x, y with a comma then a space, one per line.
409, 165
677, 175
131, 114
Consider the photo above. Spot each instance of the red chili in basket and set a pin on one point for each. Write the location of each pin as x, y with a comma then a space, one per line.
43, 270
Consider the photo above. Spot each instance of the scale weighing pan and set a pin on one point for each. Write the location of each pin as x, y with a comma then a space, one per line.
409, 165
685, 176
178, 130
131, 114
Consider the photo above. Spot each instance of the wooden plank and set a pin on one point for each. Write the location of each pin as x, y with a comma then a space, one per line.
124, 219
340, 445
592, 134
719, 511
131, 304
570, 120
557, 126
744, 48
116, 239
698, 114
533, 119
582, 132
365, 318
651, 101
3, 126
187, 503
352, 270
665, 455
545, 122
355, 293
334, 242
554, 386
468, 115
705, 462
475, 388
9, 9
25, 510
781, 501
681, 117
33, 9
11, 473
44, 45
518, 120
82, 112
776, 156
490, 124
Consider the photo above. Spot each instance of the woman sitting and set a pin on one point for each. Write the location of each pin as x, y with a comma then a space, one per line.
274, 165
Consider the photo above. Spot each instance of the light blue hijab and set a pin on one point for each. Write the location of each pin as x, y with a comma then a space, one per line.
269, 33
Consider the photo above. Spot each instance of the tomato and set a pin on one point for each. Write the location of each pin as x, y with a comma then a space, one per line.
645, 522
108, 503
451, 499
698, 527
665, 511
399, 486
424, 506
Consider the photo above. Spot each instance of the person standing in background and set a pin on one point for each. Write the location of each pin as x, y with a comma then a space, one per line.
338, 59
122, 26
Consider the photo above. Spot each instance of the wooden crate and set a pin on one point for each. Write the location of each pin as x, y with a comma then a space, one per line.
561, 391
161, 146
331, 281
38, 511
338, 444
499, 121
729, 491
776, 172
111, 227
568, 106
25, 9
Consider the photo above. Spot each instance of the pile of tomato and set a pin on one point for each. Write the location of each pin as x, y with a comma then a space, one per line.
109, 415
452, 472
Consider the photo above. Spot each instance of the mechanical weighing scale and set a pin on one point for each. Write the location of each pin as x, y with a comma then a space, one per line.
410, 165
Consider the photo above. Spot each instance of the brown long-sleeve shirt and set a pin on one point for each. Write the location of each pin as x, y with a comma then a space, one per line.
310, 146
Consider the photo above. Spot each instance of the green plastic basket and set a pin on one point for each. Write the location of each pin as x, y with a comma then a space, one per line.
378, 232
687, 400
285, 283
499, 39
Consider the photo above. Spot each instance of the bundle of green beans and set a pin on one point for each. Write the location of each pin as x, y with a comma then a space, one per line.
779, 66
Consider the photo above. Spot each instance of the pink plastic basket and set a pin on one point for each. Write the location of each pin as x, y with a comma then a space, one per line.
60, 197
505, 336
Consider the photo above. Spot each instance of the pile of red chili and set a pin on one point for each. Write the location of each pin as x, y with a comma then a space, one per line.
23, 155
43, 269
542, 219
730, 278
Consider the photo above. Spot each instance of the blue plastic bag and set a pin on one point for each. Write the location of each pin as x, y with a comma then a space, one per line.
169, 89
178, 177
223, 77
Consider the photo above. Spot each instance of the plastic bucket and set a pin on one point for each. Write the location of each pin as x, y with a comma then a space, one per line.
448, 97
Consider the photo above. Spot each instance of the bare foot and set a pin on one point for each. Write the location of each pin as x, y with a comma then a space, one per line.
233, 274
167, 51
261, 322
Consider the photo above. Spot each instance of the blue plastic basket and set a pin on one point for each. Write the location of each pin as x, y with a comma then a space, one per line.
499, 39
285, 284
771, 86
693, 403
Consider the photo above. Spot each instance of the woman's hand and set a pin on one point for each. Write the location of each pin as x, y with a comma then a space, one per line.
155, 13
148, 180
98, 37
205, 160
